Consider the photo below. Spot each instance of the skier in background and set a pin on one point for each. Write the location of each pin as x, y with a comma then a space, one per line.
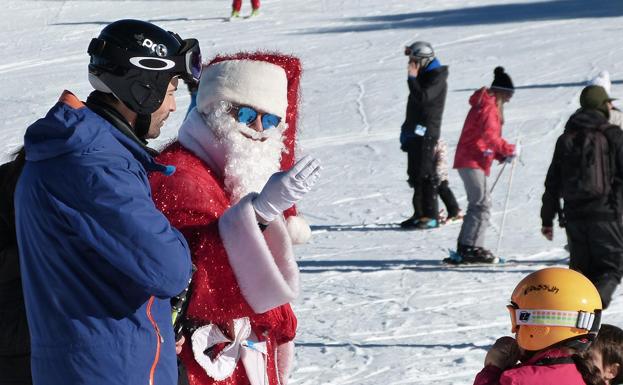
236, 5
480, 143
592, 215
427, 81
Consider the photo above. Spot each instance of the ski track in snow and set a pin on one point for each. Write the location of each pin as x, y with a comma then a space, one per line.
376, 304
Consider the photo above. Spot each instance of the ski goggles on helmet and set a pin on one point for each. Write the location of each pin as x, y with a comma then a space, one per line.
185, 64
541, 317
248, 115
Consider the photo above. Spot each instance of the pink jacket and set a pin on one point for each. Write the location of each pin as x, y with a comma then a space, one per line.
530, 374
481, 139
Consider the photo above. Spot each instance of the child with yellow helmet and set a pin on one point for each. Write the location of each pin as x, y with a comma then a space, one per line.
555, 313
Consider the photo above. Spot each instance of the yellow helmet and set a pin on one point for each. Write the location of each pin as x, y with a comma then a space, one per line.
553, 305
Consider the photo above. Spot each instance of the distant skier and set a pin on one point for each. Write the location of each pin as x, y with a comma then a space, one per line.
236, 5
480, 143
591, 189
453, 212
420, 131
555, 313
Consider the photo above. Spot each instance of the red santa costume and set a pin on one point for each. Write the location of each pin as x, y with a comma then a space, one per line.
241, 325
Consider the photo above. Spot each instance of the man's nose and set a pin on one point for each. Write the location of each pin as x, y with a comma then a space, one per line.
257, 124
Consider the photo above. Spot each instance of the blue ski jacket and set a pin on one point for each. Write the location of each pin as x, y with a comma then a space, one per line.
99, 262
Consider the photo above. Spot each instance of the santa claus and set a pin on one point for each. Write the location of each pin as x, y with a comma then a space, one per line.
227, 197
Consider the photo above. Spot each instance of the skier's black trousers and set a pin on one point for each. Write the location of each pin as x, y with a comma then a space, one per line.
596, 249
422, 177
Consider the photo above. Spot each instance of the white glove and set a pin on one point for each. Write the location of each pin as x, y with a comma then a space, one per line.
285, 188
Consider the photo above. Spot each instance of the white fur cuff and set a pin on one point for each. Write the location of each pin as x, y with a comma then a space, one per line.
263, 263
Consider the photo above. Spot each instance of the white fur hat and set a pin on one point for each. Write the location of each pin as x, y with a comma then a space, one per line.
603, 79
258, 84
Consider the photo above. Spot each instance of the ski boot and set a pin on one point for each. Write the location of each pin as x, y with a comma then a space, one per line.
471, 255
480, 255
454, 218
426, 223
234, 14
255, 12
411, 223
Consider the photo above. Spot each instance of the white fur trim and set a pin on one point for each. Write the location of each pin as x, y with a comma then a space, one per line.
197, 137
263, 263
285, 361
255, 83
299, 230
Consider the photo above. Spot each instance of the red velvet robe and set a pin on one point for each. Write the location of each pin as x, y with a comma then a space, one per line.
241, 272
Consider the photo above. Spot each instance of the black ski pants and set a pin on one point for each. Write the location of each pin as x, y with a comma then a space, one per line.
422, 177
596, 249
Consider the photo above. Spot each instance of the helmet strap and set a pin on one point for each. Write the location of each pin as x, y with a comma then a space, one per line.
141, 126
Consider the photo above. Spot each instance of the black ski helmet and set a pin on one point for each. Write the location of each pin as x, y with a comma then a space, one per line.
421, 52
136, 60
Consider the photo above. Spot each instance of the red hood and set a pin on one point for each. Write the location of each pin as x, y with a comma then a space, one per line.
481, 97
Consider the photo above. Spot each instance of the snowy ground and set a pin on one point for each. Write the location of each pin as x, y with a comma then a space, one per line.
376, 305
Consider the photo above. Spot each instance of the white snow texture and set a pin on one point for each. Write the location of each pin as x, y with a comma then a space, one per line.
376, 306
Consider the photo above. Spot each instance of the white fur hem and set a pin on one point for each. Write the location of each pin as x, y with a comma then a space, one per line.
285, 360
263, 263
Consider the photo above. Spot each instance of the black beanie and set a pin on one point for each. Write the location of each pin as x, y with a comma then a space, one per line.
501, 80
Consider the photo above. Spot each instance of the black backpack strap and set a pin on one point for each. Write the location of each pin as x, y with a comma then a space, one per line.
547, 361
615, 182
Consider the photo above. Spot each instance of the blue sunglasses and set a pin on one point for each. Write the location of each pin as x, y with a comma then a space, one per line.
248, 115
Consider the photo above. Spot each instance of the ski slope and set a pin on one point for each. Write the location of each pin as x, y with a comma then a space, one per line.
376, 305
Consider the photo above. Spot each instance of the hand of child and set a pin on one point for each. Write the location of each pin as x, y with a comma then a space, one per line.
504, 353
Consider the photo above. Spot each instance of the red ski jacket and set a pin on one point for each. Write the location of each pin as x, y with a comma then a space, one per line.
481, 139
536, 371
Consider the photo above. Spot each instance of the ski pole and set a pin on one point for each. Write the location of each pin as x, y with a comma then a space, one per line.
508, 194
497, 178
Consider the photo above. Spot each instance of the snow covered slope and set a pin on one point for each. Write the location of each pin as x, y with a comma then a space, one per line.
376, 305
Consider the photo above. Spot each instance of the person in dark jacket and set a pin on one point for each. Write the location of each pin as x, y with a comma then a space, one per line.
421, 130
99, 262
14, 338
593, 226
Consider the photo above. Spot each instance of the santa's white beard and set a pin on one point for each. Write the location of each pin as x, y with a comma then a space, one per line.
248, 163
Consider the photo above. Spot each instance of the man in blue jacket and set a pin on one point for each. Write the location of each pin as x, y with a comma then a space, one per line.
99, 262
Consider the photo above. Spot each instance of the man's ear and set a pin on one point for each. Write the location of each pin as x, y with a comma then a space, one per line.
611, 371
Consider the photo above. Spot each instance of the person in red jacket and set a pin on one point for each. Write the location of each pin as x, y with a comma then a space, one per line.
480, 143
227, 197
555, 313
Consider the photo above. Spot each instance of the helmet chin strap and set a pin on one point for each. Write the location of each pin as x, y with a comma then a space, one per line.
141, 126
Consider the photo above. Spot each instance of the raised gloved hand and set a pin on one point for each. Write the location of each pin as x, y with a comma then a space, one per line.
283, 189
504, 353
